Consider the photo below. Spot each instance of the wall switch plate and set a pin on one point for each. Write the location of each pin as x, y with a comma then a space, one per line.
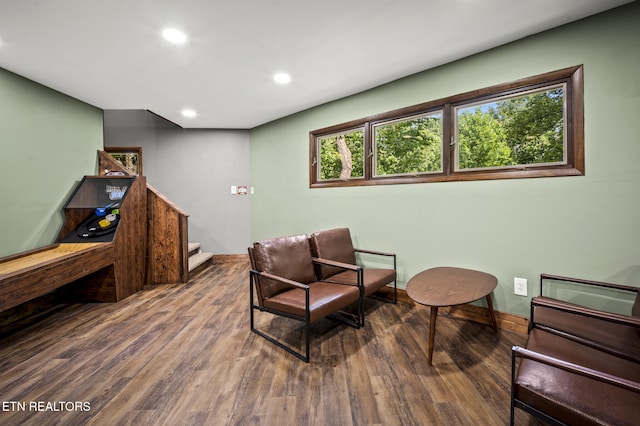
520, 286
234, 190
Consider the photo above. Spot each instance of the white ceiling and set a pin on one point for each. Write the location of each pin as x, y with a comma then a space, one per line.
110, 53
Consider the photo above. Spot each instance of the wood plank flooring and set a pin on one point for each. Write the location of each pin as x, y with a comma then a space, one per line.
182, 354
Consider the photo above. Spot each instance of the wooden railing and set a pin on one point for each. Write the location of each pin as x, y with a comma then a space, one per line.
167, 232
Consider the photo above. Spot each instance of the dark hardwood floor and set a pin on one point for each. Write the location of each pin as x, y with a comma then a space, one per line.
183, 355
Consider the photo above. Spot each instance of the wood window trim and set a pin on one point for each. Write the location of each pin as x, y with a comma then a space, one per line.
575, 166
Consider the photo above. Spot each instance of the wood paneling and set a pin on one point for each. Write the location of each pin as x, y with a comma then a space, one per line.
168, 240
183, 354
167, 232
130, 241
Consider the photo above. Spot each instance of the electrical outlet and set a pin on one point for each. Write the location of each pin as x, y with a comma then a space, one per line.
520, 286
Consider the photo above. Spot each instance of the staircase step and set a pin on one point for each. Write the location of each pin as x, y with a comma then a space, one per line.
193, 248
199, 259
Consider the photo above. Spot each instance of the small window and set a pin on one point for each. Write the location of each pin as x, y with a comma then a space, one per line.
520, 130
528, 128
409, 146
341, 156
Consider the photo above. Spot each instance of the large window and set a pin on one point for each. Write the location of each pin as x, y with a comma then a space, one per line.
528, 128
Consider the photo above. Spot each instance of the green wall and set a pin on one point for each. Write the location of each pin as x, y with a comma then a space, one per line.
584, 226
49, 141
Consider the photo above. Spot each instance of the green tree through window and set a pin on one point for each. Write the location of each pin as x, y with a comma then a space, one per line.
521, 130
331, 161
409, 146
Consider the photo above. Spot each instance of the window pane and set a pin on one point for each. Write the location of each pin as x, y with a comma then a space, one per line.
409, 146
342, 155
523, 130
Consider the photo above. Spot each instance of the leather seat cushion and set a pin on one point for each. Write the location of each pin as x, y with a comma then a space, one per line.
572, 398
324, 299
374, 278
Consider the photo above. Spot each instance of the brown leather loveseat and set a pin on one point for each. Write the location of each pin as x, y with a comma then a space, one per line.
580, 365
289, 278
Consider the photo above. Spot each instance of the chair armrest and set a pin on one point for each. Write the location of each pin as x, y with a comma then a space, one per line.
587, 282
355, 268
336, 264
381, 253
519, 352
280, 279
572, 308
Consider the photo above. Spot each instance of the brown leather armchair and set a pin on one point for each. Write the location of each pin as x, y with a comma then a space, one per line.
285, 284
336, 245
580, 365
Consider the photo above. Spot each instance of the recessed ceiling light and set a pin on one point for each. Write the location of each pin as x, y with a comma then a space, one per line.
282, 78
174, 36
189, 113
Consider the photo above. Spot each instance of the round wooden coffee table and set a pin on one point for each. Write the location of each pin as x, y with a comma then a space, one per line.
446, 286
